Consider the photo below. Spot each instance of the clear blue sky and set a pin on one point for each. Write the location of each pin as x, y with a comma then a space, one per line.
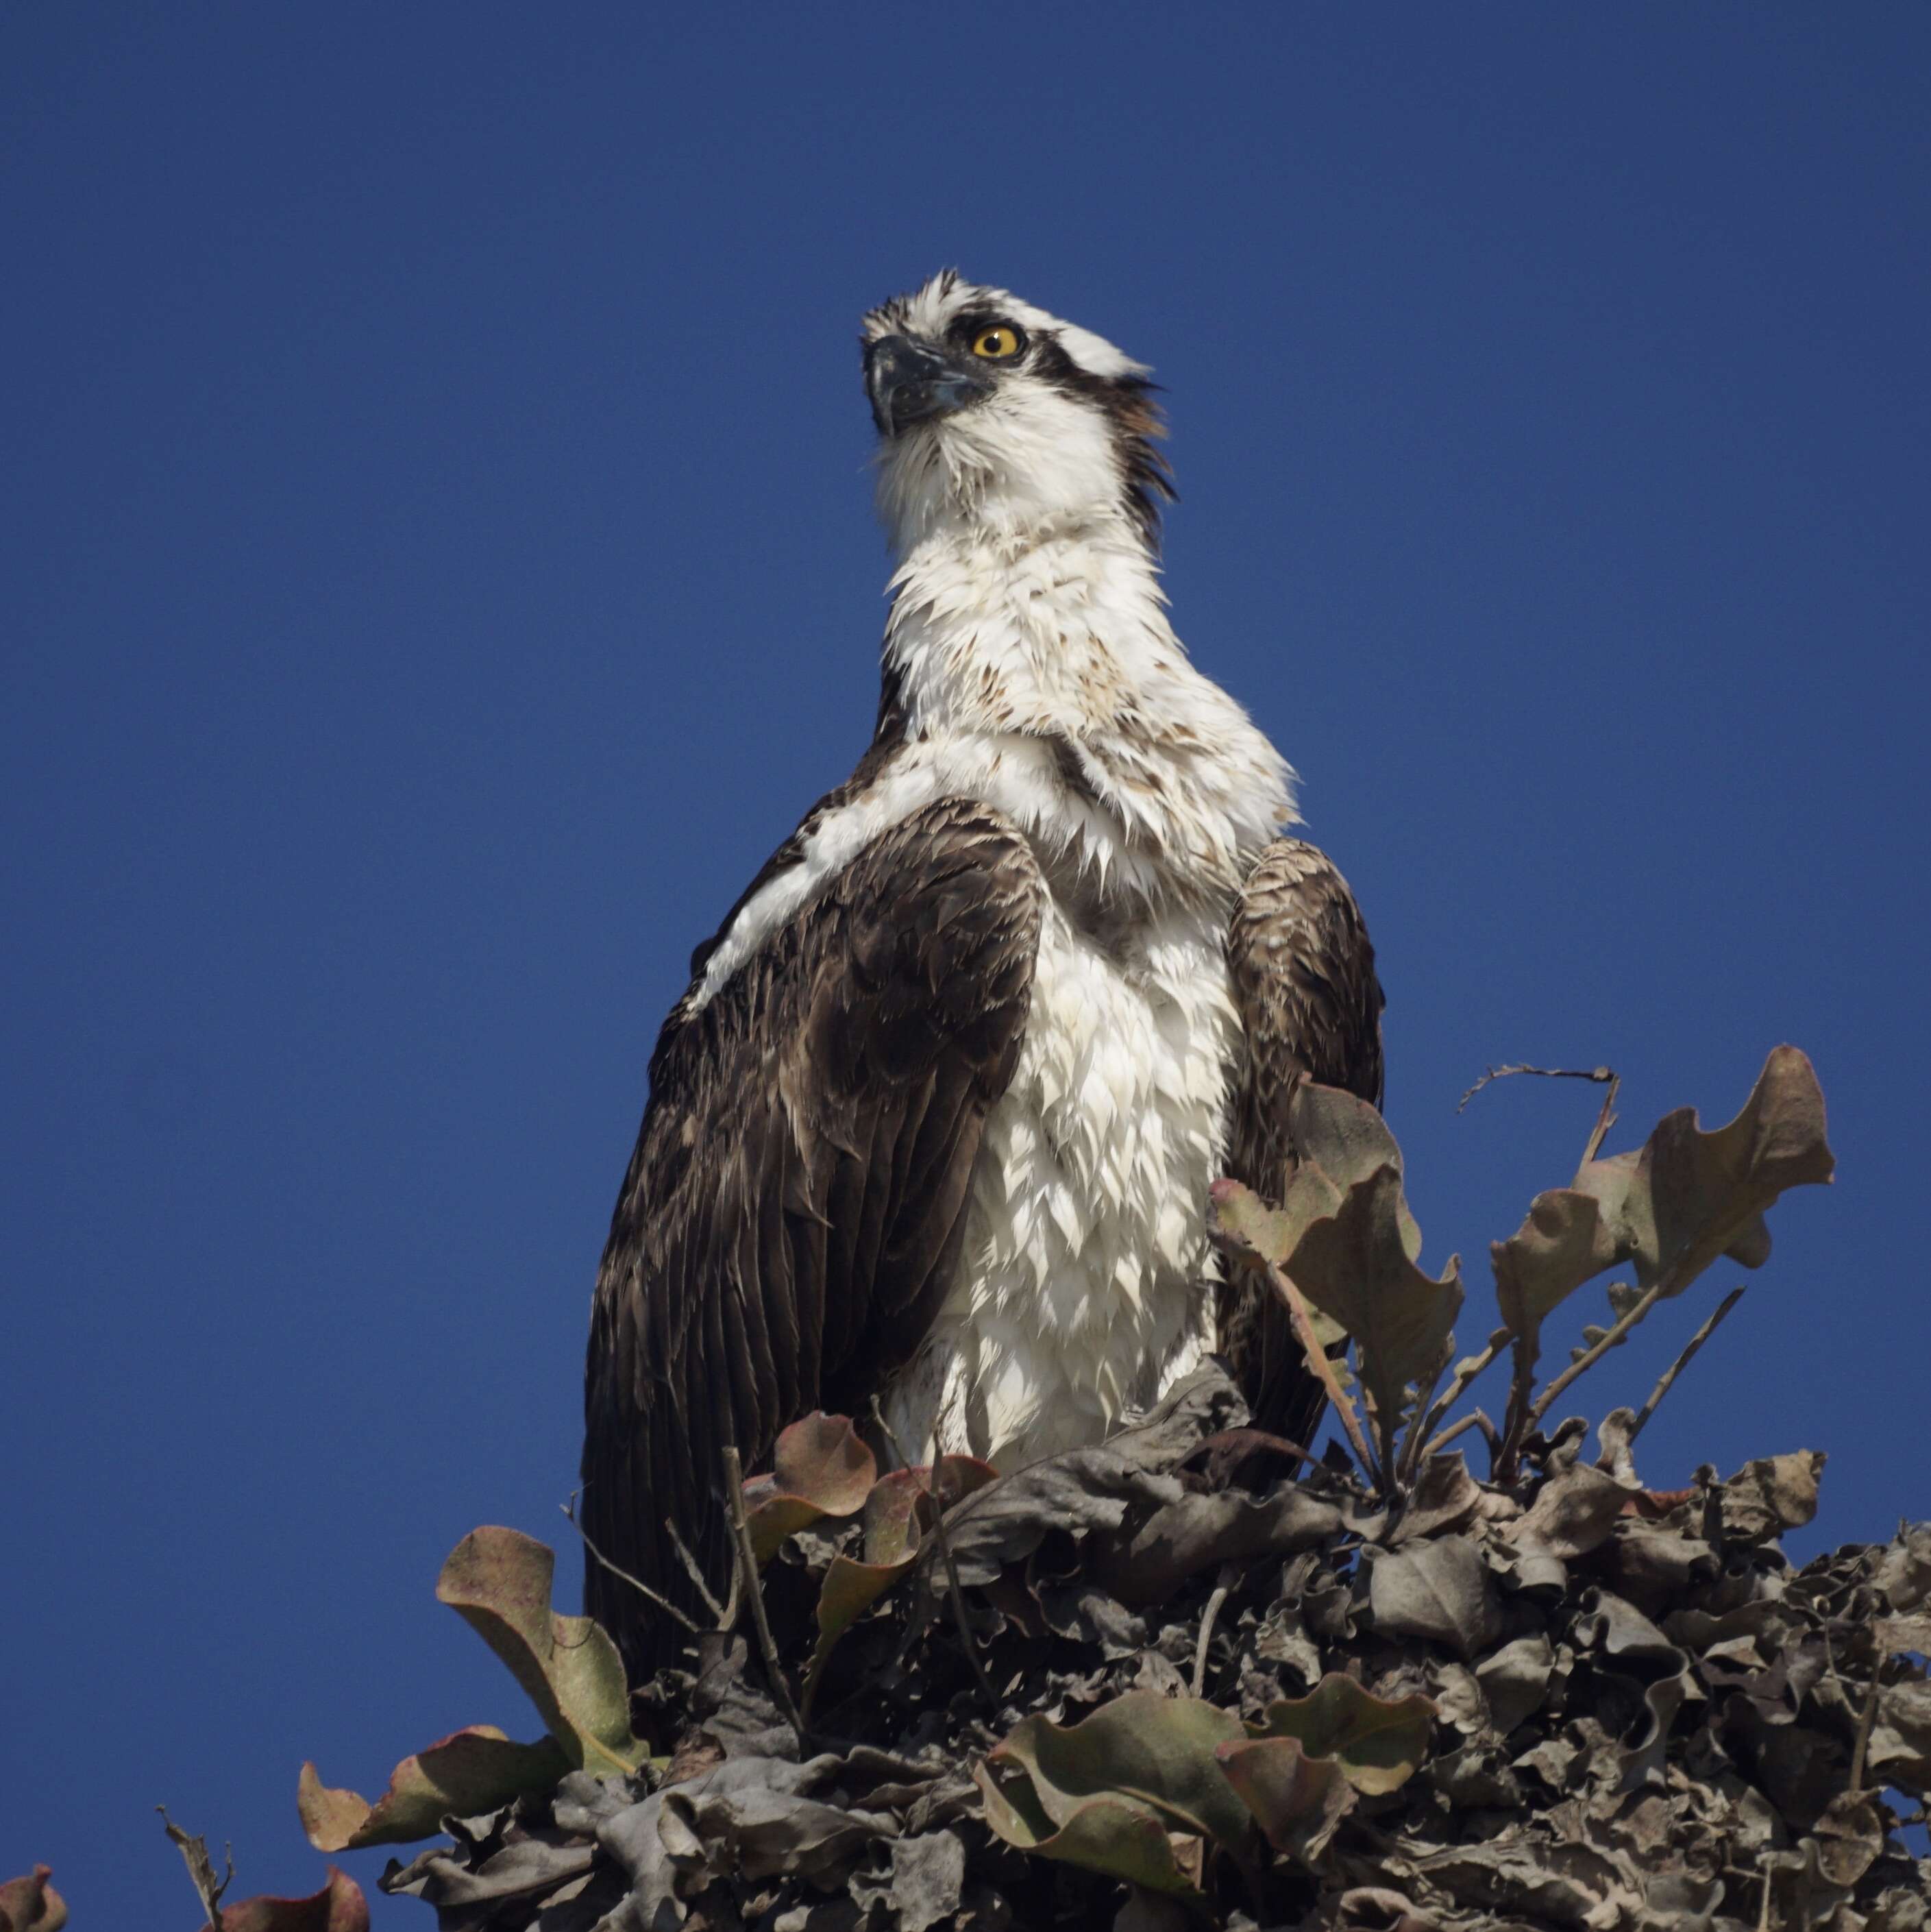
436, 565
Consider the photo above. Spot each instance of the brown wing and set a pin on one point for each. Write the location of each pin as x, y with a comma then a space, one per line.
1303, 978
792, 1213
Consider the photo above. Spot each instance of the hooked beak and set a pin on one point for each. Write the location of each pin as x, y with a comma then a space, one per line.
909, 383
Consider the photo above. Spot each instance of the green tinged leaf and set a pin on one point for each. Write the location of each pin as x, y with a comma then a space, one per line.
498, 1581
823, 1458
31, 1904
1095, 1793
1123, 1840
1377, 1742
339, 1906
473, 1770
820, 1467
898, 1510
1297, 1800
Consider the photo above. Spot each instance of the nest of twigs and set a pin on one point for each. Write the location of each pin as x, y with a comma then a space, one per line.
1188, 1676
1636, 1715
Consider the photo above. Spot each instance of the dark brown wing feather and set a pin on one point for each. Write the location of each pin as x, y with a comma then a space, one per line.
1303, 978
794, 1211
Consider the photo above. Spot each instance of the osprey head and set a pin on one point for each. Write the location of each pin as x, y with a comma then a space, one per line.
995, 417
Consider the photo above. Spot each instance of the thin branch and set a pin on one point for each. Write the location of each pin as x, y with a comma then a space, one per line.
1527, 1352
1861, 1750
1228, 1574
954, 1589
1323, 1370
1474, 1419
642, 1589
726, 1612
1867, 1719
1601, 1075
201, 1868
1676, 1368
1605, 1120
1464, 1378
747, 1569
1587, 1359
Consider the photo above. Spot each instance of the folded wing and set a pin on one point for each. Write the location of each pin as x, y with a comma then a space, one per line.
793, 1214
1303, 978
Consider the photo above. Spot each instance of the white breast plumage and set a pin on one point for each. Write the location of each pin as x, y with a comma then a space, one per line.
1147, 792
1077, 1294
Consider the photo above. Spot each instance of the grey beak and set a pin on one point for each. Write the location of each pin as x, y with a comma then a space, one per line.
910, 382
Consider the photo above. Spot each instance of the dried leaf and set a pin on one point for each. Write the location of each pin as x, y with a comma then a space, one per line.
1900, 1748
1343, 1234
1572, 1513
1514, 1680
472, 1771
1355, 1266
1673, 1206
1765, 1498
1850, 1837
1445, 1497
1079, 1491
1195, 1533
927, 1880
498, 1581
1441, 1590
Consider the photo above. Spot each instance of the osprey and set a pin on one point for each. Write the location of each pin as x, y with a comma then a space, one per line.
935, 1120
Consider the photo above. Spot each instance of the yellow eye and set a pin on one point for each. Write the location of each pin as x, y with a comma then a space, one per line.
996, 343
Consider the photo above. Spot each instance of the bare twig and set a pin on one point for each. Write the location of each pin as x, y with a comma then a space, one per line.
1600, 1074
747, 1569
1591, 1356
955, 1590
1676, 1368
1419, 1445
1228, 1574
1474, 1419
1323, 1370
642, 1589
1867, 1718
726, 1612
1861, 1750
201, 1868
1604, 1119
1603, 1076
1521, 1396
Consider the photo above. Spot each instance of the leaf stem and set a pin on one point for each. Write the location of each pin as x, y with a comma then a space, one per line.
1323, 1370
642, 1589
1464, 1378
1676, 1368
954, 1588
748, 1571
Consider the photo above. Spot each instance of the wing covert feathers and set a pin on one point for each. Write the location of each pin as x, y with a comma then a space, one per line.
791, 1216
1302, 974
